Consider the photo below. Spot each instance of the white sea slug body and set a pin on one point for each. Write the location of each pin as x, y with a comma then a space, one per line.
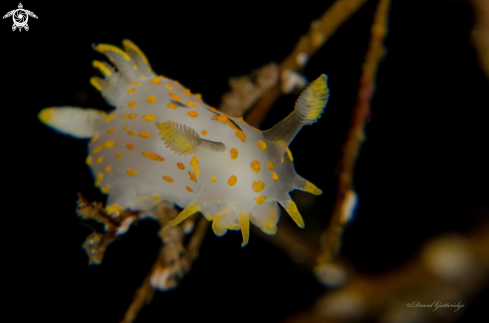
163, 143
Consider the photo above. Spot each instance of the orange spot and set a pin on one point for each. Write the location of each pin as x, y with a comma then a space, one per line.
262, 145
89, 160
275, 176
258, 186
190, 104
144, 134
125, 127
155, 80
204, 132
169, 86
232, 180
108, 144
241, 135
110, 130
110, 117
270, 165
168, 179
105, 189
189, 189
94, 138
187, 91
175, 96
181, 166
96, 149
234, 153
215, 110
192, 176
132, 104
193, 114
153, 156
150, 117
176, 82
118, 155
136, 83
107, 169
255, 166
100, 159
142, 77
131, 172
224, 119
213, 179
133, 116
132, 132
99, 179
130, 91
155, 196
260, 199
152, 99
124, 116
172, 105
130, 146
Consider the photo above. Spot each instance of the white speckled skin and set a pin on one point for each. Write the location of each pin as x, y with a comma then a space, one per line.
134, 167
126, 190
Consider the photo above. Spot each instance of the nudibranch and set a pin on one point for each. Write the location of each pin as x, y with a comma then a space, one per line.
161, 142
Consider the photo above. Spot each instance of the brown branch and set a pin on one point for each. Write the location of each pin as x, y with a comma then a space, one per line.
173, 262
451, 268
480, 33
355, 137
307, 46
245, 92
96, 243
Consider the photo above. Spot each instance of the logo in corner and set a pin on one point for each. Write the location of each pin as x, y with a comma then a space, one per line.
20, 17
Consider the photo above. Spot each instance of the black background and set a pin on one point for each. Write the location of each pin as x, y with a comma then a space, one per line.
422, 171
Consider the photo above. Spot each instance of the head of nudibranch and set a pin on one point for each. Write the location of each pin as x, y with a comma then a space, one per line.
249, 187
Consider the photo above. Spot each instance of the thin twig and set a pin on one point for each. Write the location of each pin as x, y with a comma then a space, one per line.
355, 137
173, 261
450, 269
307, 46
480, 33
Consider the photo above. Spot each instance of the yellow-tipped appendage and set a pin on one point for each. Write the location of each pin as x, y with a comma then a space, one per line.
102, 48
313, 99
244, 222
102, 67
215, 225
311, 188
188, 211
95, 82
291, 208
45, 115
130, 46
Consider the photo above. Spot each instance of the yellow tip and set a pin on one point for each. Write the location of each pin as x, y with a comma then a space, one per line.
102, 67
130, 46
45, 115
320, 84
95, 83
188, 211
102, 48
291, 208
244, 222
311, 188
